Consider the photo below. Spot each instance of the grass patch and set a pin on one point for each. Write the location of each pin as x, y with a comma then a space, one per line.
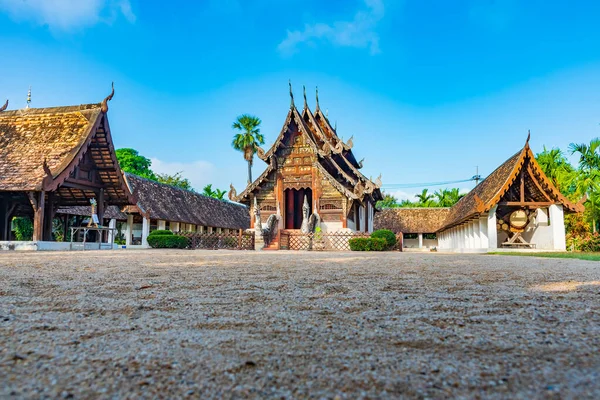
568, 254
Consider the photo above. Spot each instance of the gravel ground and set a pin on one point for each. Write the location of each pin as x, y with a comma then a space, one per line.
218, 324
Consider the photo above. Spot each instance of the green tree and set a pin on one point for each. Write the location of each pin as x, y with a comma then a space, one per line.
249, 138
558, 169
175, 180
134, 163
216, 193
588, 180
388, 201
425, 199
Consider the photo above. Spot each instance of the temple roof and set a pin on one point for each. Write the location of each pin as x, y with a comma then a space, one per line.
41, 147
491, 190
411, 220
335, 158
169, 203
29, 137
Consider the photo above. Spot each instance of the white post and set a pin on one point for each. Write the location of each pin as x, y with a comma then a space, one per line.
111, 234
420, 240
557, 225
162, 225
145, 231
210, 229
476, 235
174, 226
483, 232
129, 230
492, 230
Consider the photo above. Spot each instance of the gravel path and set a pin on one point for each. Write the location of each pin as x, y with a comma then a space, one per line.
218, 324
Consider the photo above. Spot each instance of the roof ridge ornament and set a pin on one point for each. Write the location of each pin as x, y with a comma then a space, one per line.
318, 107
28, 98
528, 137
232, 193
5, 106
104, 106
350, 142
305, 102
291, 94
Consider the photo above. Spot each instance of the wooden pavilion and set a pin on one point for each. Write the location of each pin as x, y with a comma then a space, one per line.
309, 160
55, 157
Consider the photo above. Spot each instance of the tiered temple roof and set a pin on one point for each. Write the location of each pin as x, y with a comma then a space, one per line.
335, 159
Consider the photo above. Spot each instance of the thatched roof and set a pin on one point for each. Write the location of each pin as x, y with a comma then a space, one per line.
165, 202
111, 212
40, 148
411, 220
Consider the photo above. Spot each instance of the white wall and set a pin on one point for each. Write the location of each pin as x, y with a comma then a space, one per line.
333, 226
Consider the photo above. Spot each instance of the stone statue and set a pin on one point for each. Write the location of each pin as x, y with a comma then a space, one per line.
257, 223
309, 222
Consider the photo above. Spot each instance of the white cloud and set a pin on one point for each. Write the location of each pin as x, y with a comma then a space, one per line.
67, 14
200, 172
360, 32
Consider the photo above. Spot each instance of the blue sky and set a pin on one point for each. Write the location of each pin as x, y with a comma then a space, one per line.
429, 89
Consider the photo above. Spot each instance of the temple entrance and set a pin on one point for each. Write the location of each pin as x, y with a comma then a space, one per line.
294, 199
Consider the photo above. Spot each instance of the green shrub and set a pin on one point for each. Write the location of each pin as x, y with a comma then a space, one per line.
590, 244
167, 241
161, 232
367, 244
389, 236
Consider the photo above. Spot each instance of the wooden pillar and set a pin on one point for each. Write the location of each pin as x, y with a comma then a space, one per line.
65, 226
37, 200
3, 219
49, 216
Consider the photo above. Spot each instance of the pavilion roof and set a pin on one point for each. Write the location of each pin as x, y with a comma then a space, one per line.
169, 203
411, 220
41, 147
491, 190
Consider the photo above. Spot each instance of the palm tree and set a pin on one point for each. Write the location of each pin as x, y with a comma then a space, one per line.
424, 198
216, 193
588, 182
249, 138
557, 168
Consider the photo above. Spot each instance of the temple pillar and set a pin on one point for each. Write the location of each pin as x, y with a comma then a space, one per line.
476, 234
111, 234
38, 203
420, 240
289, 209
3, 219
145, 231
49, 216
483, 232
492, 229
557, 225
162, 225
129, 230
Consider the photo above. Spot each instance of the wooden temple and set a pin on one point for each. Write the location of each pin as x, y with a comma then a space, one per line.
309, 161
56, 157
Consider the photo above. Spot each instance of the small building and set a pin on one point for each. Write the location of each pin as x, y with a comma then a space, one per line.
161, 206
418, 225
515, 207
309, 161
56, 157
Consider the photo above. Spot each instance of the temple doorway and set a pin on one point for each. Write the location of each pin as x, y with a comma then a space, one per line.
294, 199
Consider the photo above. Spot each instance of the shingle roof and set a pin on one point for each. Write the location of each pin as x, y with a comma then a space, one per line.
164, 202
31, 136
411, 220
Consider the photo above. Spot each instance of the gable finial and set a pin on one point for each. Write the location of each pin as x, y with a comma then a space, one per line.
104, 106
305, 102
28, 97
528, 136
5, 106
318, 108
335, 126
291, 94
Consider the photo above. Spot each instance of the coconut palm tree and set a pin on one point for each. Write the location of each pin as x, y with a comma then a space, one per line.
248, 139
557, 168
424, 198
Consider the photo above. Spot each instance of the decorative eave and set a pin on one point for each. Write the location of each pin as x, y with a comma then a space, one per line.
336, 184
250, 188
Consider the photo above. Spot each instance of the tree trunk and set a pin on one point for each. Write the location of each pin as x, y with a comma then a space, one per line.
249, 172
